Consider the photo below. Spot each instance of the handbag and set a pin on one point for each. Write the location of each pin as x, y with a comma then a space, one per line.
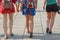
58, 9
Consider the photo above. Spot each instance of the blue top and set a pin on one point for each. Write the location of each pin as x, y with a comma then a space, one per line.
49, 2
25, 1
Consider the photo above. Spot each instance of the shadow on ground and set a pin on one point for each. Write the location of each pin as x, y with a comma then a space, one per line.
54, 36
41, 36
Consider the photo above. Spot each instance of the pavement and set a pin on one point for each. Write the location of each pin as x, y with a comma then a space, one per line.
19, 29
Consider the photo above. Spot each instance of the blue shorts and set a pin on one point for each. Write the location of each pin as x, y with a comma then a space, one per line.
26, 11
18, 1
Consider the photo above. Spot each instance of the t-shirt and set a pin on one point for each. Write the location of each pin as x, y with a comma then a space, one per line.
49, 2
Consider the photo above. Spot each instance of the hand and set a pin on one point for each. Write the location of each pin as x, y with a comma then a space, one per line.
17, 10
43, 7
21, 10
36, 7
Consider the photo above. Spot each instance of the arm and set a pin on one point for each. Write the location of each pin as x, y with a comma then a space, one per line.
21, 4
44, 4
17, 5
58, 2
36, 4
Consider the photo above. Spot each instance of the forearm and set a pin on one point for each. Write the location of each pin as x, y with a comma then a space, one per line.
44, 2
36, 4
58, 1
21, 4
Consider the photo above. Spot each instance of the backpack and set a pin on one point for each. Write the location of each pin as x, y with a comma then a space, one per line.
7, 4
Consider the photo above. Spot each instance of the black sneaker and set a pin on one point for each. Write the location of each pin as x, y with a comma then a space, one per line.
12, 35
47, 30
31, 35
50, 32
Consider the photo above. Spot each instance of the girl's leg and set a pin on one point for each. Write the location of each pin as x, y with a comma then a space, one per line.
27, 23
52, 20
48, 21
5, 25
11, 22
31, 22
48, 18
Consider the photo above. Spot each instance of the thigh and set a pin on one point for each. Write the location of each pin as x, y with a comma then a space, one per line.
27, 17
31, 18
48, 14
53, 14
5, 17
10, 16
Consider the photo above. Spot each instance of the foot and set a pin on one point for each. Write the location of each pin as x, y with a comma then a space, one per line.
12, 35
31, 35
50, 32
28, 32
5, 37
47, 30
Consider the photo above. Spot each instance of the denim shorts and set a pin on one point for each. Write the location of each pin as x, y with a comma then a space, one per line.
30, 11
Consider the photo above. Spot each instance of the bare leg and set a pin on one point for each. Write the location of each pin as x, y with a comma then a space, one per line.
48, 19
52, 20
11, 22
27, 23
31, 22
5, 25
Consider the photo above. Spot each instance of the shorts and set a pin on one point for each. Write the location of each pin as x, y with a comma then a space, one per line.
52, 8
30, 11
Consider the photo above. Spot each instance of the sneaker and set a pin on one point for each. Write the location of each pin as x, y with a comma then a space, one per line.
12, 35
47, 30
31, 35
50, 32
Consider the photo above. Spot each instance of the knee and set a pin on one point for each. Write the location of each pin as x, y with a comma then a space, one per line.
52, 17
31, 22
48, 17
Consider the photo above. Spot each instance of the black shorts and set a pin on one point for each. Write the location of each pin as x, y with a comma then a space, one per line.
52, 8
